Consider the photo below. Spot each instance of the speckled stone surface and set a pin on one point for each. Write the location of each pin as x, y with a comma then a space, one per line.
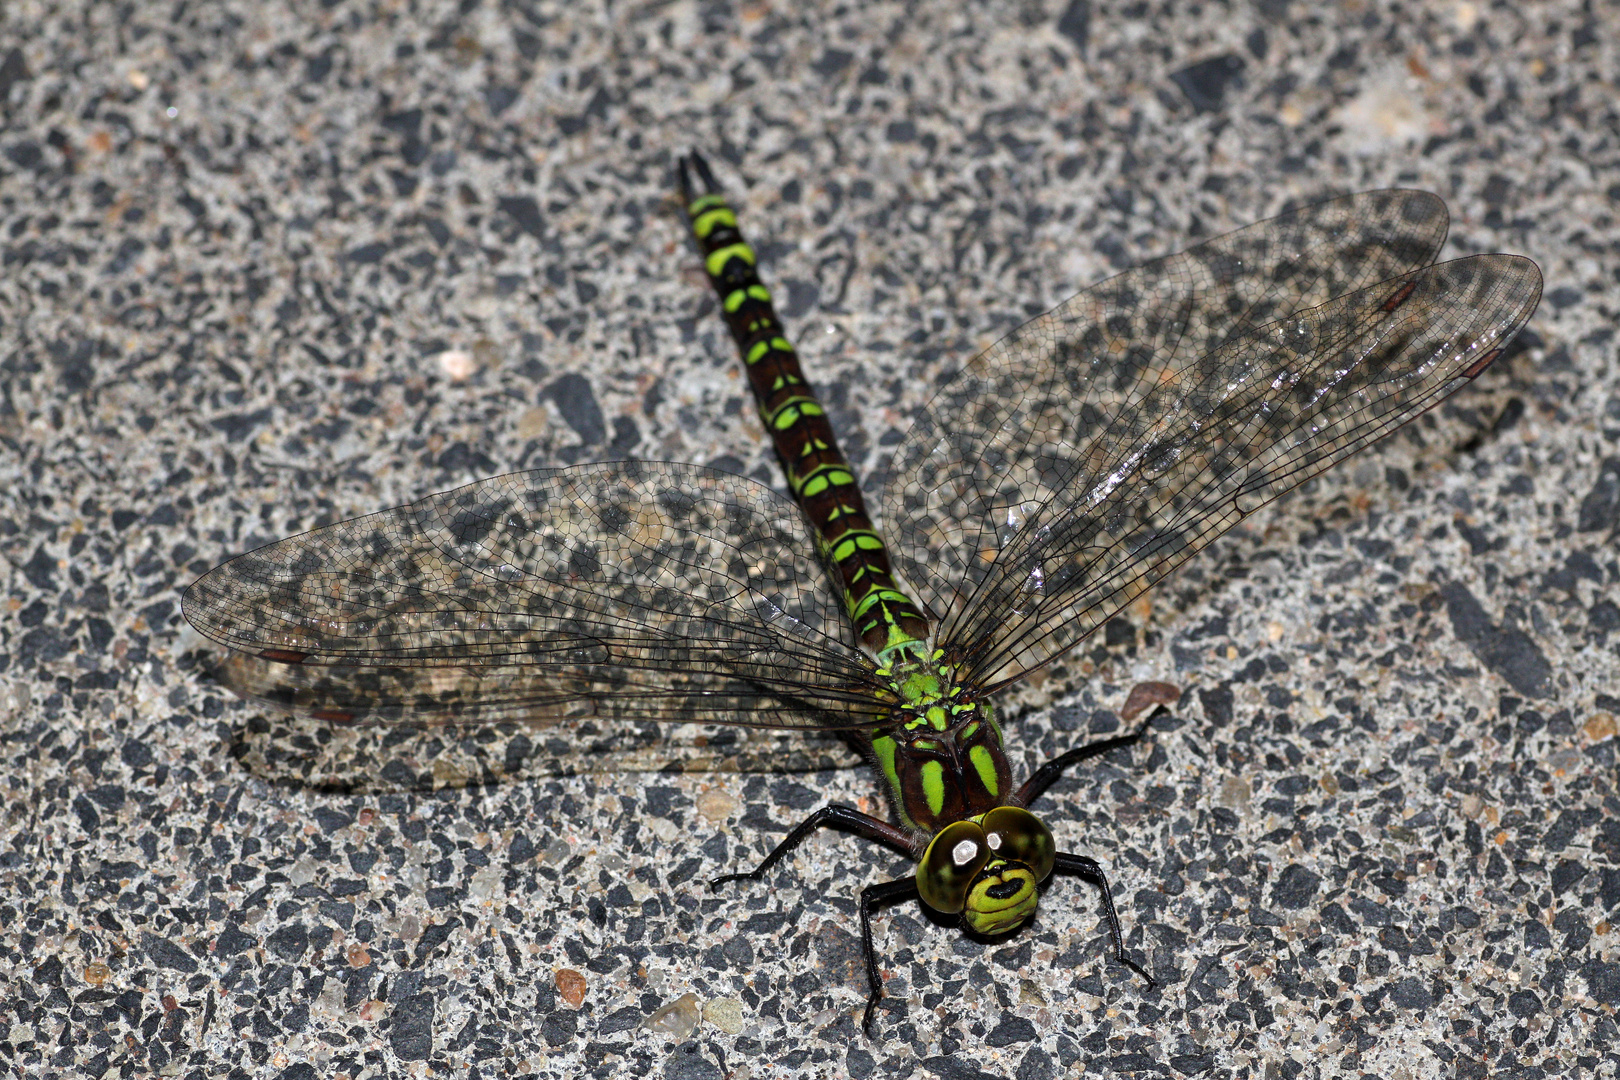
263, 266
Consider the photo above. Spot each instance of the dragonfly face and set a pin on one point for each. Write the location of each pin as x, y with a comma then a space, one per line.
988, 869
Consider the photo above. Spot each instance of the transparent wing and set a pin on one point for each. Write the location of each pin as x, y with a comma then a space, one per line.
1095, 449
617, 591
358, 758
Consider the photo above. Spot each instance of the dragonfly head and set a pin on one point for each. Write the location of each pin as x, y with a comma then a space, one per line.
988, 869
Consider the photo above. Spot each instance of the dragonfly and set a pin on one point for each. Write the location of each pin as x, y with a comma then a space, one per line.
1042, 487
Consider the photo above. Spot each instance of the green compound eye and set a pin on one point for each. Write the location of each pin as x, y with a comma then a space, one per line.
1019, 836
956, 853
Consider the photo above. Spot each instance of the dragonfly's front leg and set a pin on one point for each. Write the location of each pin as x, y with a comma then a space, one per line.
847, 817
871, 896
1092, 871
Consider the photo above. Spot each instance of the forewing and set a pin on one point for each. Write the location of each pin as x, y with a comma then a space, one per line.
616, 591
1027, 425
1108, 474
357, 758
1254, 418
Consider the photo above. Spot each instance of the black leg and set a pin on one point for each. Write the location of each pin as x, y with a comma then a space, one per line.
836, 815
1142, 697
871, 896
1092, 871
1042, 778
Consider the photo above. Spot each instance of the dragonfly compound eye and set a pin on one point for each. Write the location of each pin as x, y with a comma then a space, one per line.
1017, 835
954, 857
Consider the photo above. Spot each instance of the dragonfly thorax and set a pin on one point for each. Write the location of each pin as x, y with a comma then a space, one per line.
940, 750
942, 756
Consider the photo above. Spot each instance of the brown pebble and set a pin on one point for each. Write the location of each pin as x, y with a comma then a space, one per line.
571, 985
1145, 695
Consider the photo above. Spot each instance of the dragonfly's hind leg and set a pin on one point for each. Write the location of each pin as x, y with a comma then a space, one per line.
1092, 871
837, 816
1142, 696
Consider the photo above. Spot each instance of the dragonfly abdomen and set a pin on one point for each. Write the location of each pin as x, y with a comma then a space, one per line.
823, 482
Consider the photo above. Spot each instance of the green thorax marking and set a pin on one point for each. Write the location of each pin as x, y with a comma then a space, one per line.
887, 623
941, 755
